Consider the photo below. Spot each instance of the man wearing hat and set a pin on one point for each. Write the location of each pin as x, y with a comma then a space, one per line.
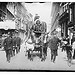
8, 46
36, 17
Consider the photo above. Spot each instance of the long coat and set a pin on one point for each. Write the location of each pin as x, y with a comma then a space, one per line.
53, 43
14, 41
7, 43
18, 41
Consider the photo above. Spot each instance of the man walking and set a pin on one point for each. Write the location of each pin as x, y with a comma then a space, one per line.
53, 45
8, 46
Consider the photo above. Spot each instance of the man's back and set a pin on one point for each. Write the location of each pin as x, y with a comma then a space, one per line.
72, 40
18, 40
53, 43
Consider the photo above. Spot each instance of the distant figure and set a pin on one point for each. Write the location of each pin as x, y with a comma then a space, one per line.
14, 44
73, 45
53, 45
18, 44
68, 49
73, 39
1, 41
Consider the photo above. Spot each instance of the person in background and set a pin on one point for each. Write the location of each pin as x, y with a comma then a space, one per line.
18, 43
14, 44
68, 50
73, 45
1, 41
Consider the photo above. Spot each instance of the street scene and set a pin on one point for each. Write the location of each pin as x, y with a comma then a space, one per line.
37, 36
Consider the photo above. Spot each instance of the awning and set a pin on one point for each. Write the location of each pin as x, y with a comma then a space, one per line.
8, 24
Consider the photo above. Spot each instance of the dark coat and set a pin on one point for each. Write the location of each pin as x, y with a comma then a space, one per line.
8, 43
14, 41
72, 40
53, 43
18, 41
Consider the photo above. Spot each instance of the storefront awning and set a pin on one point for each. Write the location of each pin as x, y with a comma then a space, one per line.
7, 25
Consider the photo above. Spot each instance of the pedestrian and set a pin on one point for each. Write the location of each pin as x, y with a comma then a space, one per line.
45, 46
18, 44
1, 41
53, 45
73, 45
8, 47
14, 44
68, 50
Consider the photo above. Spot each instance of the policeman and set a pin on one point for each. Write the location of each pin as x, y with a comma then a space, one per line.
8, 47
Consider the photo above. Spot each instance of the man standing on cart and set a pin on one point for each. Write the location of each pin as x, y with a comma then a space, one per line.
39, 29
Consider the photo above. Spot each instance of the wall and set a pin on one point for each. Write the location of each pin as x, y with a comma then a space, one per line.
54, 15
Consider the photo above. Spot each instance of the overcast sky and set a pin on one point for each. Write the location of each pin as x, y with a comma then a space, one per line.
42, 9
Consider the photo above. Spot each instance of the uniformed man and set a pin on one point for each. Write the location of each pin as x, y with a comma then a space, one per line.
8, 47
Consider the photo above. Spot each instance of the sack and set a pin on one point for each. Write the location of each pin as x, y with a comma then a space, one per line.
30, 46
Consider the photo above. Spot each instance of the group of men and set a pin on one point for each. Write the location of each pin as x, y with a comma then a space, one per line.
11, 45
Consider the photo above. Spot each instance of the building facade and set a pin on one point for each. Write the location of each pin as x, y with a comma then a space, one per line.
4, 12
22, 17
67, 19
64, 19
54, 16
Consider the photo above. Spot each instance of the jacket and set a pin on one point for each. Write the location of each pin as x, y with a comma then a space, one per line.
53, 43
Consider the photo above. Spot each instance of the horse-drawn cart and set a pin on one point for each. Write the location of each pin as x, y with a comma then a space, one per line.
39, 47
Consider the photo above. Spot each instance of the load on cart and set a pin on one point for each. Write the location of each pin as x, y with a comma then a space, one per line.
38, 46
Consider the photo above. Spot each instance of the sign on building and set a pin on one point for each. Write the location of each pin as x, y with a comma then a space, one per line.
18, 23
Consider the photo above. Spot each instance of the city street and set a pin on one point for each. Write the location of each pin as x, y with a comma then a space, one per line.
46, 24
21, 62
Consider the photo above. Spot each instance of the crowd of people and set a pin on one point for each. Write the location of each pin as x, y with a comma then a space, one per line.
53, 42
11, 45
13, 42
67, 47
